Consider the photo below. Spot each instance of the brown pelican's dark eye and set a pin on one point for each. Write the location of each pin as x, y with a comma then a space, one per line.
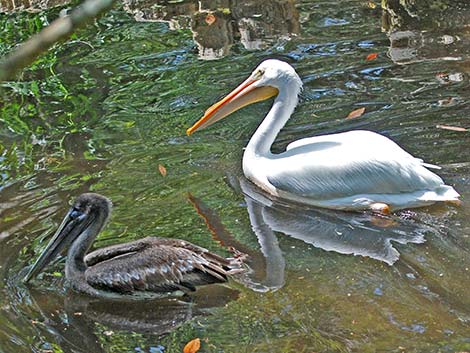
75, 213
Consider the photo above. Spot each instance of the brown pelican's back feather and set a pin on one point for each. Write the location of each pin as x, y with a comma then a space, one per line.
113, 251
155, 265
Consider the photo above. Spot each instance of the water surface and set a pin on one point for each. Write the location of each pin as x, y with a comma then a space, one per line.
104, 110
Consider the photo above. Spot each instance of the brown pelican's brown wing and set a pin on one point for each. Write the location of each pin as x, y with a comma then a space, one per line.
157, 268
178, 243
112, 251
109, 252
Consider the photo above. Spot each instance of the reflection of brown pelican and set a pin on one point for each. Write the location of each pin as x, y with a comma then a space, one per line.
341, 232
71, 320
147, 265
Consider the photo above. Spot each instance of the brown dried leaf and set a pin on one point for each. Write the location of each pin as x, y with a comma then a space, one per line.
210, 19
192, 346
162, 170
356, 113
452, 128
372, 56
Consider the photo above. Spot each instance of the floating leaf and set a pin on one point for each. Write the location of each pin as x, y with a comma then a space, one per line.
356, 113
448, 101
372, 56
192, 346
210, 19
162, 170
371, 5
452, 128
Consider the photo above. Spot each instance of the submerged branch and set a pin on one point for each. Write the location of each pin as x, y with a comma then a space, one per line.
58, 30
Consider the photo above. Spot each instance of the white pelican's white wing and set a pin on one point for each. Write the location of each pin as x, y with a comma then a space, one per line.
351, 163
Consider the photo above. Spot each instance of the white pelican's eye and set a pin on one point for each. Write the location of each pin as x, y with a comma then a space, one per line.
258, 74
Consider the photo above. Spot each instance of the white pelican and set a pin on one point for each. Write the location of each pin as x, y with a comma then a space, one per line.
354, 170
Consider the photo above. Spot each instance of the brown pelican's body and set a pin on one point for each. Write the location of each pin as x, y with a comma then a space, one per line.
149, 265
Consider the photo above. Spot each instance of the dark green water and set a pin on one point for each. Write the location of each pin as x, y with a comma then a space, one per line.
104, 110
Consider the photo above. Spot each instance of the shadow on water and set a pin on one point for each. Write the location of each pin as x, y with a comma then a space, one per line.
104, 110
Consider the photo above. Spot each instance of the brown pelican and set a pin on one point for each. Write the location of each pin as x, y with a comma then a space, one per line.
149, 265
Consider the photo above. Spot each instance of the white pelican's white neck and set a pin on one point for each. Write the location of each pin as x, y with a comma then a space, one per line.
281, 110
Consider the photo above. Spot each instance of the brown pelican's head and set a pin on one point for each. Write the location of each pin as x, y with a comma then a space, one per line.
87, 209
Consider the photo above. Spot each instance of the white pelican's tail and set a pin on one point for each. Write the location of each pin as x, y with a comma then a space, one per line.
442, 193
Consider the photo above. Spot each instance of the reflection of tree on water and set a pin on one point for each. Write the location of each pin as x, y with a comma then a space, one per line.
216, 25
424, 14
177, 14
424, 29
258, 20
213, 33
35, 5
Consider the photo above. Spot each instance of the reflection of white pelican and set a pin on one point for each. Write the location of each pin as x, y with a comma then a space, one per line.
351, 171
341, 232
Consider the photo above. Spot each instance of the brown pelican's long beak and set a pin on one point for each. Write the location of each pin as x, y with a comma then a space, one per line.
66, 233
245, 94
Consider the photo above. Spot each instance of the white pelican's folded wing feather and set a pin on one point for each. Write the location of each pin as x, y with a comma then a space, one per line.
360, 163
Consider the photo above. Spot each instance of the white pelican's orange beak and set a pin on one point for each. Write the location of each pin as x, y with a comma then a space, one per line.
245, 94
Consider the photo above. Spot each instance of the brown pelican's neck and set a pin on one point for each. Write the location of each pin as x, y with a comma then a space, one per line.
75, 266
281, 110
